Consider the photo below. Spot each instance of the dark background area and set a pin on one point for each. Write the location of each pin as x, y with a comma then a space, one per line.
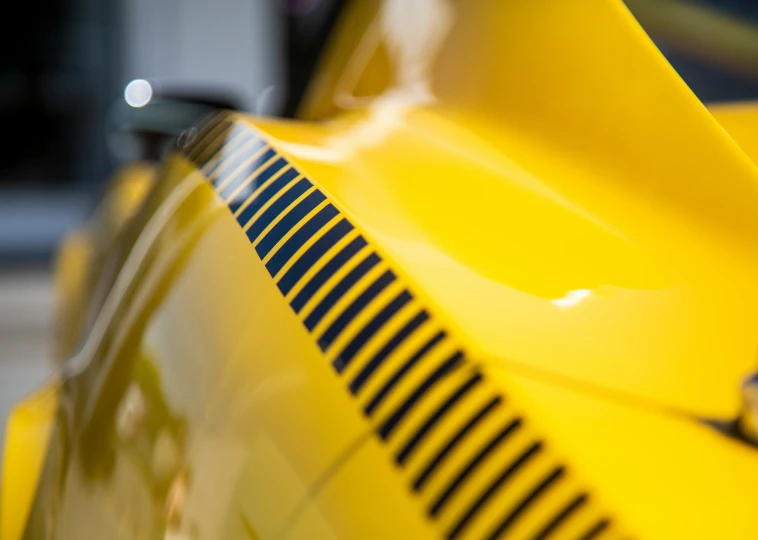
64, 66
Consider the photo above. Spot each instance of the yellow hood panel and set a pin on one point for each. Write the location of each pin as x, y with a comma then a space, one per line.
576, 212
740, 120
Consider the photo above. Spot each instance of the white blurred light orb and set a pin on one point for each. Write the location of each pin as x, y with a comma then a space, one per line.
138, 93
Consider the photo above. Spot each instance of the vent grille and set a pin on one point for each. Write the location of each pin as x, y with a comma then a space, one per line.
426, 400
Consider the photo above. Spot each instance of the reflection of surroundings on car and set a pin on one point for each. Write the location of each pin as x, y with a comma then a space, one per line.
64, 67
713, 44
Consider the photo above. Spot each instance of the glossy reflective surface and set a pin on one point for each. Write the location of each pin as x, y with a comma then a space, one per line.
502, 195
567, 215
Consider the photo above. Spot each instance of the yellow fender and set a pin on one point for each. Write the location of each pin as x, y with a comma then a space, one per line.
27, 436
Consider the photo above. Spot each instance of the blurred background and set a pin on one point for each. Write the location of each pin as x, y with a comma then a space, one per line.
65, 65
63, 72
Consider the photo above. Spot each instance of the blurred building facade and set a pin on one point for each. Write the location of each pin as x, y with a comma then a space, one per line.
66, 65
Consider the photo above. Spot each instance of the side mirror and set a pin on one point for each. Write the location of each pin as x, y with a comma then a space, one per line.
150, 118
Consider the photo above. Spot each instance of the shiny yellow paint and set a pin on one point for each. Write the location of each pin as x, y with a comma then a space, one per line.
501, 196
740, 121
581, 237
27, 435
672, 477
126, 192
556, 198
80, 257
73, 262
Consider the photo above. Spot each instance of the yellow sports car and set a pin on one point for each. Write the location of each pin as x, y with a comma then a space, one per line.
499, 279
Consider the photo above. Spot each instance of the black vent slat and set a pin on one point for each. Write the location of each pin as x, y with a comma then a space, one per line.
492, 488
237, 138
394, 342
265, 195
402, 371
211, 154
210, 122
447, 367
477, 460
595, 530
276, 209
225, 153
339, 260
403, 455
216, 135
300, 237
236, 155
527, 501
233, 168
435, 462
313, 254
248, 170
254, 181
356, 306
561, 517
340, 289
344, 358
287, 222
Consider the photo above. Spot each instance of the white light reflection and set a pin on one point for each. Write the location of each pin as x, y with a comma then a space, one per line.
572, 298
138, 93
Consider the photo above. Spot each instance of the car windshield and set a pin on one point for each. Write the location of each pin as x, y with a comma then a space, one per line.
713, 44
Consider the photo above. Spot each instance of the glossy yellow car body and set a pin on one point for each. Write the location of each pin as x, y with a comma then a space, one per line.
498, 282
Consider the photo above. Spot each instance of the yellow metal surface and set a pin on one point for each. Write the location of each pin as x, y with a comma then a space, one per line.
126, 192
80, 257
498, 281
26, 440
73, 263
672, 477
584, 214
740, 121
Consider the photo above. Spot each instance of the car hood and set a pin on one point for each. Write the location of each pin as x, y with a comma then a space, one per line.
573, 210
